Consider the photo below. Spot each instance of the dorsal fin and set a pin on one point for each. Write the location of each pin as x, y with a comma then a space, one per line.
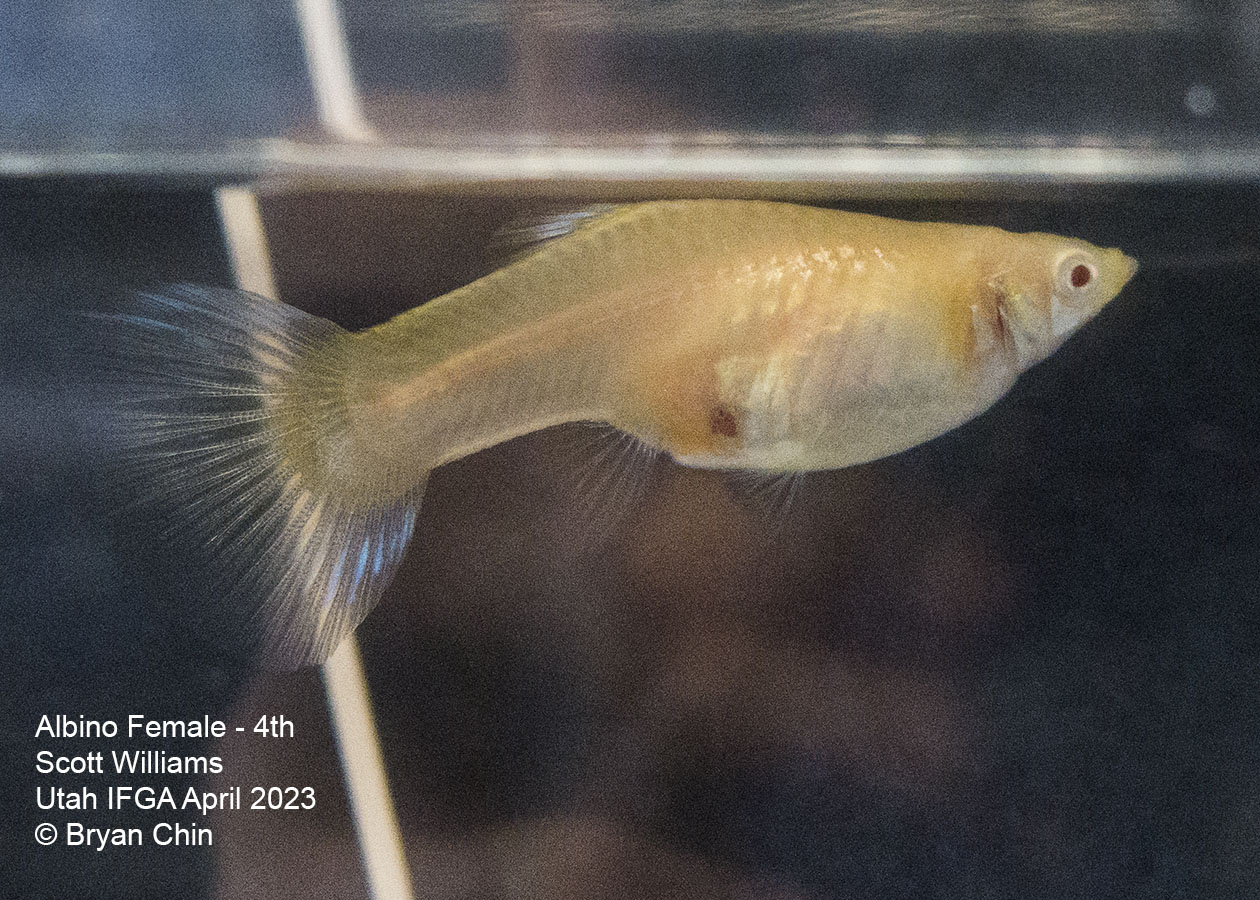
527, 235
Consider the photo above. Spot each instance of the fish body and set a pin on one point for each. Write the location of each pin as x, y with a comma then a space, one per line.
729, 334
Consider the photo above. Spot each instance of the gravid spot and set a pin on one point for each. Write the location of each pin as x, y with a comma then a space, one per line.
722, 421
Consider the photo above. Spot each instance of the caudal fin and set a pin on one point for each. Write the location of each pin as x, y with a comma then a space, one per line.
215, 417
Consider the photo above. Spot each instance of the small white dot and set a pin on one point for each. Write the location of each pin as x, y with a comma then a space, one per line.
1200, 100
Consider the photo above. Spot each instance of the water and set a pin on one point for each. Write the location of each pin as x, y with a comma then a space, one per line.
1017, 660
1020, 660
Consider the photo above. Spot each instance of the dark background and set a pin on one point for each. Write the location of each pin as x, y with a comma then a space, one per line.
1020, 660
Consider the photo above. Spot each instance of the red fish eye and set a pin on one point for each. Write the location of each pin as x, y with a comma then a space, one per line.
1081, 276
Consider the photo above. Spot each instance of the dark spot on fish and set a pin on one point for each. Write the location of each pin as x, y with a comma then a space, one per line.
722, 421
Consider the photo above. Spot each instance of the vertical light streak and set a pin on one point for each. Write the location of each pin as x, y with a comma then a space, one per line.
332, 78
349, 704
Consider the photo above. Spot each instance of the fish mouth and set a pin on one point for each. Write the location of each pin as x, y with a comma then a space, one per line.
1119, 269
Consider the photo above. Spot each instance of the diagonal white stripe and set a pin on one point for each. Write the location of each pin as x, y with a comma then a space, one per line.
246, 242
349, 703
366, 784
332, 79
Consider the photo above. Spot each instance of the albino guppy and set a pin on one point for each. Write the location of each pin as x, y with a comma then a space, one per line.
730, 334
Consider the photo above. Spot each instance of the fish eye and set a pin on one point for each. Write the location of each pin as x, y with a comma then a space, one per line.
1075, 274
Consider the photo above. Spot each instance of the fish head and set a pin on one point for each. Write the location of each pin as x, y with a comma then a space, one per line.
1050, 286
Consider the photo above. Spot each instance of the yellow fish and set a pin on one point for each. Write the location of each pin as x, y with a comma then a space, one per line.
729, 334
